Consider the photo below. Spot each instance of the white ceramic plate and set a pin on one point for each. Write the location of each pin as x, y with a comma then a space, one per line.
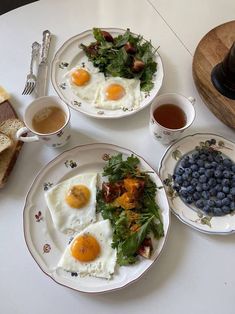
70, 54
46, 244
189, 214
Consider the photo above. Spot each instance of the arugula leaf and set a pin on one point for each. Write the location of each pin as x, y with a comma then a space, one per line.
133, 242
117, 169
113, 60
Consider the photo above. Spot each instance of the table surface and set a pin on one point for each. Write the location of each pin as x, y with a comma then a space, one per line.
195, 273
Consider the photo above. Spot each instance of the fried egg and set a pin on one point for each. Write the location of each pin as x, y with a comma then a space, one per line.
90, 252
72, 203
118, 93
84, 81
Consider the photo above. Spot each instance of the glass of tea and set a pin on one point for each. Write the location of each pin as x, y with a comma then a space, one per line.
48, 118
170, 115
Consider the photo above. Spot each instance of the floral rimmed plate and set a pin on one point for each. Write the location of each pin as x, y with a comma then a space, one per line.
46, 244
70, 54
189, 214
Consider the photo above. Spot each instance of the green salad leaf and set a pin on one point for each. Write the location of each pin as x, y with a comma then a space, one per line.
146, 214
113, 58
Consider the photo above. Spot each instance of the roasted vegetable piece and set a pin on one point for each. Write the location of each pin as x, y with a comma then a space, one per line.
112, 191
107, 36
146, 248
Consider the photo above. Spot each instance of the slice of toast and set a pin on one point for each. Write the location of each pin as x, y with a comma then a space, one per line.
8, 157
5, 142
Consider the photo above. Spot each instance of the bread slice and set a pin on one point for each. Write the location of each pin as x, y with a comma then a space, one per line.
5, 142
8, 157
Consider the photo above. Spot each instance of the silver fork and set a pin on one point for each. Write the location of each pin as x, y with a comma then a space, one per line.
31, 78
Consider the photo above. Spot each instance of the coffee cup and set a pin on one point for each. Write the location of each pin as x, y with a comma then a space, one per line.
170, 115
48, 119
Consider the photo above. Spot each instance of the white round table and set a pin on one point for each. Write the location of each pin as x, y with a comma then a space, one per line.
195, 273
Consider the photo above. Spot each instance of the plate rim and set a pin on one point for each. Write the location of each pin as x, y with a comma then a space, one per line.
96, 116
50, 275
215, 233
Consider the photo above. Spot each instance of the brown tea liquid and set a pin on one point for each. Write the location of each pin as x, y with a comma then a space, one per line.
48, 120
170, 116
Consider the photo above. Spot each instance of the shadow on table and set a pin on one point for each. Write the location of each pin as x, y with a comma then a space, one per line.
7, 5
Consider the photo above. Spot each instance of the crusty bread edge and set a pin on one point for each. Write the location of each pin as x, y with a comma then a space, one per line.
11, 164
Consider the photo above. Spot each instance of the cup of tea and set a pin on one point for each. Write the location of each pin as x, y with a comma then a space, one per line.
48, 119
170, 115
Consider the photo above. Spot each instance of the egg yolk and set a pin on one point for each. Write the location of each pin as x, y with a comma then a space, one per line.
114, 92
85, 248
80, 77
78, 196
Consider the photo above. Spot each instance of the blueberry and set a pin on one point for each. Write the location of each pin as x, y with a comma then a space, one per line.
207, 165
227, 162
190, 189
210, 158
199, 203
185, 164
225, 182
229, 196
205, 187
220, 167
179, 171
226, 174
195, 155
211, 203
203, 156
185, 176
232, 191
191, 161
225, 189
226, 201
194, 181
218, 211
209, 173
183, 193
189, 199
196, 196
195, 174
199, 187
185, 184
218, 158
233, 168
218, 174
200, 163
226, 209
218, 187
206, 209
178, 179
232, 205
205, 195
212, 182
213, 192
202, 178
218, 203
214, 164
188, 171
194, 167
201, 170
220, 195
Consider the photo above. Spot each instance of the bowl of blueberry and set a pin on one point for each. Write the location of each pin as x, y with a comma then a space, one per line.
198, 173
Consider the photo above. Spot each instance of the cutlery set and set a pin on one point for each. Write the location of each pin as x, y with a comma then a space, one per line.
38, 82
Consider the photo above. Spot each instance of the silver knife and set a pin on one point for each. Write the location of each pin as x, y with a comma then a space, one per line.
41, 86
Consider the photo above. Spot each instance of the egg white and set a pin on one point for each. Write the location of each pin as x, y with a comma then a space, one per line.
86, 92
66, 218
131, 99
103, 266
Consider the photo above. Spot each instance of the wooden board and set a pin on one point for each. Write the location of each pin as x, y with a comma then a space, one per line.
8, 112
210, 51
